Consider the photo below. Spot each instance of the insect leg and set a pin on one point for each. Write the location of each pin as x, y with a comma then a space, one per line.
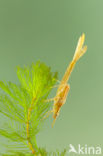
57, 80
49, 100
55, 86
47, 114
53, 122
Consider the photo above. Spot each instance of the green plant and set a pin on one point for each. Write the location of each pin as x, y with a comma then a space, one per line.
24, 107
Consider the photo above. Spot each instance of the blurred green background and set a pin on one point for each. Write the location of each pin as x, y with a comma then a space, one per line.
48, 31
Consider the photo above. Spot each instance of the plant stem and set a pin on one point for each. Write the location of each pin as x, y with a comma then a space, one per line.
28, 126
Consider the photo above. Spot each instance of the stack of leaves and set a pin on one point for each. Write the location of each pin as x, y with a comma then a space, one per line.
24, 107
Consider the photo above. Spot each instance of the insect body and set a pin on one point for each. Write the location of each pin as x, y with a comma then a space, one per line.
64, 88
59, 100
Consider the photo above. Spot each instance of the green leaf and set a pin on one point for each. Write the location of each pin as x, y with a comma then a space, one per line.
12, 136
24, 106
